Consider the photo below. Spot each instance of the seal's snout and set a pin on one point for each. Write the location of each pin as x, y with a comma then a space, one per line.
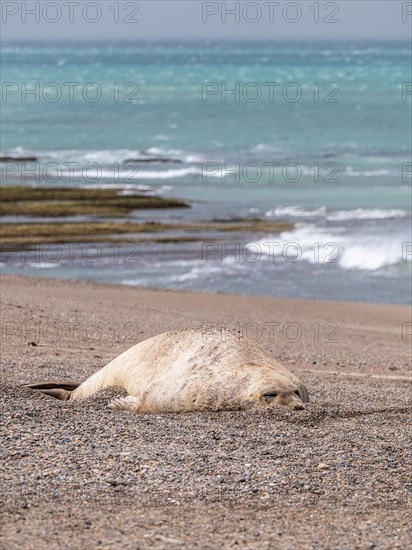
296, 405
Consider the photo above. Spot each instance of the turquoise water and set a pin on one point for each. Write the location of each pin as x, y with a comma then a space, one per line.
325, 151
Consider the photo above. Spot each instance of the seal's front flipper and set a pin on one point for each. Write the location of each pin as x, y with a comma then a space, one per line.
128, 403
58, 391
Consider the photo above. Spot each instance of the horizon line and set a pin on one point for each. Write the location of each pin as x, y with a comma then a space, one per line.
208, 40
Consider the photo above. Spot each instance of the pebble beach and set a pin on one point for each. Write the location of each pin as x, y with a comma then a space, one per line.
78, 475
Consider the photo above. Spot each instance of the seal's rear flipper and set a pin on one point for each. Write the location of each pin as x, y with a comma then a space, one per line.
59, 391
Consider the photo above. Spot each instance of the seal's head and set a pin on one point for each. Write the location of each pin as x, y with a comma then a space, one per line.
277, 390
271, 397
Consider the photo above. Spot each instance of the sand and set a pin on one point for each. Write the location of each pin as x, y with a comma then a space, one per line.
80, 476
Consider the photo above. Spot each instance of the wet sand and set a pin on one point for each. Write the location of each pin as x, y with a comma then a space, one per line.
78, 475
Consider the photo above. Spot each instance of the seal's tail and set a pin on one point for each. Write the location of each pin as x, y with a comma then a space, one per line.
59, 391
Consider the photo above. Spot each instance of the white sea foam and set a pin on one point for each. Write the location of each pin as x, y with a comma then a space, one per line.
108, 156
358, 251
181, 272
100, 157
366, 214
370, 253
164, 188
135, 174
167, 174
44, 265
132, 189
175, 154
198, 272
338, 215
295, 212
126, 189
349, 171
81, 156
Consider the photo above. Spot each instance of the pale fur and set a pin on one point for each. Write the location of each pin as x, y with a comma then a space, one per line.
196, 369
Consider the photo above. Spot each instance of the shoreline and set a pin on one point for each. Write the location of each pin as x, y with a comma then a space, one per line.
75, 473
69, 279
37, 279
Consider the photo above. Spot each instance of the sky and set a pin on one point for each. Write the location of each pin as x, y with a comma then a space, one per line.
114, 20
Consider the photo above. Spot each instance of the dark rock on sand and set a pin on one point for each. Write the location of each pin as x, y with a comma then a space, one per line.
18, 159
155, 160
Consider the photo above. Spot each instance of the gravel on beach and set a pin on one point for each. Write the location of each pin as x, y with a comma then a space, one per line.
76, 475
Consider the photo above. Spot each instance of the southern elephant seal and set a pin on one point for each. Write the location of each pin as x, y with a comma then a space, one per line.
194, 369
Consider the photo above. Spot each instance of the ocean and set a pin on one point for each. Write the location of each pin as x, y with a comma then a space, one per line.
318, 134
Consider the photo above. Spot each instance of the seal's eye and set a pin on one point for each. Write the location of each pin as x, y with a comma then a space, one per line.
268, 396
297, 392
